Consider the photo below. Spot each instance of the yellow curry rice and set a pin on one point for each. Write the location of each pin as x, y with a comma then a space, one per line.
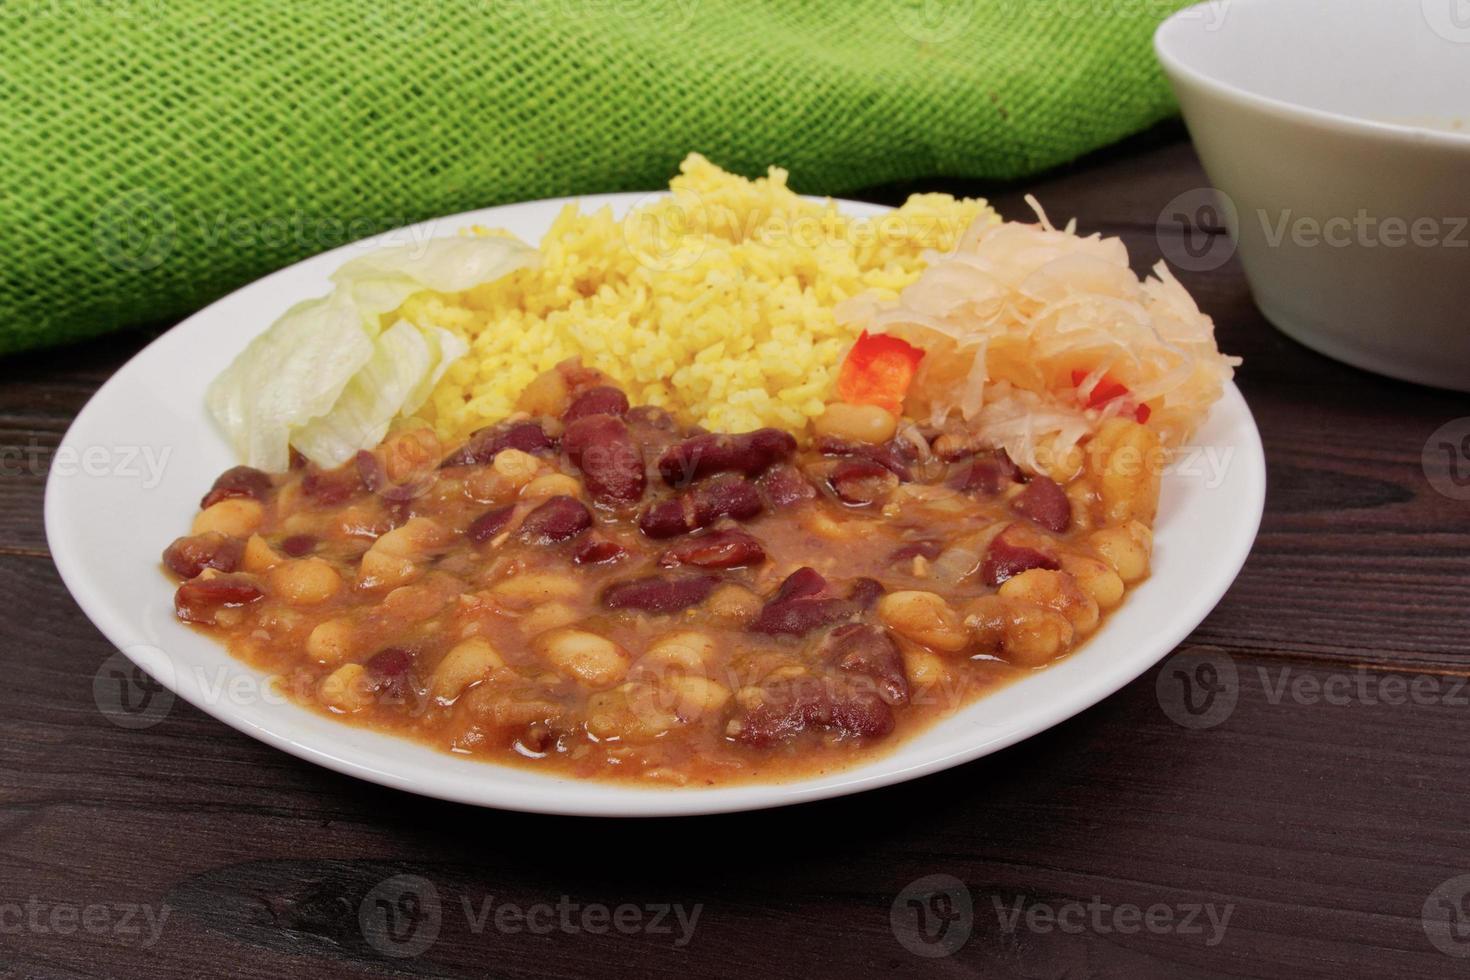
716, 303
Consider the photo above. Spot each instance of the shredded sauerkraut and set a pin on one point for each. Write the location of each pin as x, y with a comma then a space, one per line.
1033, 335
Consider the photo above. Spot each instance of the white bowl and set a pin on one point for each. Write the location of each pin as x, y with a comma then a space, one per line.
1338, 132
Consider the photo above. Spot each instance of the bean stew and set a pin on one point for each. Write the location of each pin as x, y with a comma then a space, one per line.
591, 588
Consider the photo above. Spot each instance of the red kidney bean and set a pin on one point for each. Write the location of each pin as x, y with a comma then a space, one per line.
489, 524
866, 591
795, 617
722, 496
750, 453
895, 455
868, 650
610, 461
298, 545
595, 550
601, 400
389, 662
717, 549
1005, 559
390, 671
238, 481
987, 472
1046, 503
665, 519
784, 710
858, 710
557, 519
658, 594
528, 436
784, 485
485, 444
189, 556
373, 476
803, 583
331, 487
862, 481
802, 604
198, 600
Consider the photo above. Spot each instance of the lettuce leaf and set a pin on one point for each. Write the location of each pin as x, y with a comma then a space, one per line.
327, 378
290, 374
360, 417
383, 279
450, 348
406, 364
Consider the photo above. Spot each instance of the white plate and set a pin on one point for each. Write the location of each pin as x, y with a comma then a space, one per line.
109, 513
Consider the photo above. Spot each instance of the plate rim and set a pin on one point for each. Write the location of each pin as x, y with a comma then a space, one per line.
570, 796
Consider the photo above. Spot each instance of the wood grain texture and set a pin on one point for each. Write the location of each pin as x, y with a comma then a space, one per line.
1322, 811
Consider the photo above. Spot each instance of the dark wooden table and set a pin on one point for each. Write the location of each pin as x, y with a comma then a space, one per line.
1315, 828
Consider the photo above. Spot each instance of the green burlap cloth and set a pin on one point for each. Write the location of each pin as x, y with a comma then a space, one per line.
156, 153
